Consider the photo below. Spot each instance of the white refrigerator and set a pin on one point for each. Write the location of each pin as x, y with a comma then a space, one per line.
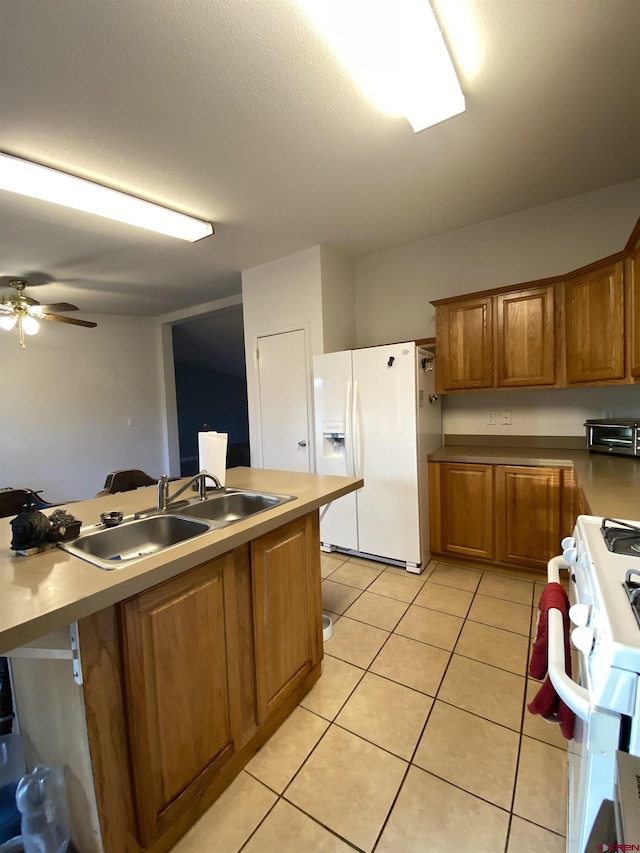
377, 416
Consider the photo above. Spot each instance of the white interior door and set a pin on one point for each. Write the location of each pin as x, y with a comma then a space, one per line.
284, 401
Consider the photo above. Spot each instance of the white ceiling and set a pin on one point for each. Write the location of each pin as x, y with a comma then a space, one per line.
235, 111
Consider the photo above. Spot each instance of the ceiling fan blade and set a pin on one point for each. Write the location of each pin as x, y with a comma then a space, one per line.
58, 306
70, 320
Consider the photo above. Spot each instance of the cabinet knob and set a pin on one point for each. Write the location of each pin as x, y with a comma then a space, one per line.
302, 443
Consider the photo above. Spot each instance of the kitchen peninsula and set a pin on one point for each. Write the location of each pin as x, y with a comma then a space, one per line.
190, 658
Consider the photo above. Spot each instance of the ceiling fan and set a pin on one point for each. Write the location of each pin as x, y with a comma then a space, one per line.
22, 311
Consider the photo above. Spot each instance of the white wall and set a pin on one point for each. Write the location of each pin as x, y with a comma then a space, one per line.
394, 288
552, 412
338, 300
279, 296
65, 402
312, 289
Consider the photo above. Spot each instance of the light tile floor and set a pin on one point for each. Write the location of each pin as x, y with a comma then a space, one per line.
416, 737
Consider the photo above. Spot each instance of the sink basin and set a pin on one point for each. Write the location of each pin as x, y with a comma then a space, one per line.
230, 506
116, 547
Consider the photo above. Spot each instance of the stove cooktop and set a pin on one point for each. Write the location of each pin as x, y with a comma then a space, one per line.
621, 537
600, 575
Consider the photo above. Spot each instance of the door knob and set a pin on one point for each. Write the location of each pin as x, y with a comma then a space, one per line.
302, 443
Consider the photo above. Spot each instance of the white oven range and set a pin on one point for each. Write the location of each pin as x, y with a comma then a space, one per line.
603, 561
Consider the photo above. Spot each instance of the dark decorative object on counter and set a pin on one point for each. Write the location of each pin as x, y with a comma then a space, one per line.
63, 526
33, 530
30, 528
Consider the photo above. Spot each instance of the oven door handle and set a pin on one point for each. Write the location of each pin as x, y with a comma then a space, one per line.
572, 694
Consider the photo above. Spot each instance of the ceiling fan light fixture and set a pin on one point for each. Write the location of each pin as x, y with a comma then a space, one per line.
30, 325
41, 182
7, 322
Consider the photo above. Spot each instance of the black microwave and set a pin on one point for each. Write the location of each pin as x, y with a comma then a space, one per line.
614, 435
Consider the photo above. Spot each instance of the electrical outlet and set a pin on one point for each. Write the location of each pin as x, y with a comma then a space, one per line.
506, 417
491, 418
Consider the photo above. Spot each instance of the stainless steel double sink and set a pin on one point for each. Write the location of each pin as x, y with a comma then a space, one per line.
115, 547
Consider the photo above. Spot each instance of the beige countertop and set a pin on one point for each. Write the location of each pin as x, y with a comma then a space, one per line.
611, 484
47, 591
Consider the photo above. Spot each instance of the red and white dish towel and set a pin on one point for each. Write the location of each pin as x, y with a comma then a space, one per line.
547, 703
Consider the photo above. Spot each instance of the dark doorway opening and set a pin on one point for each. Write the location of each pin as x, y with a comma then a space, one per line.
211, 384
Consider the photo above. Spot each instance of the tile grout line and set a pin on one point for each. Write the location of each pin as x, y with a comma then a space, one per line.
366, 670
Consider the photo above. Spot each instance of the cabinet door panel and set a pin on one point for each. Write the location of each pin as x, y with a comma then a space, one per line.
465, 344
178, 690
466, 510
526, 337
288, 609
633, 268
595, 326
528, 522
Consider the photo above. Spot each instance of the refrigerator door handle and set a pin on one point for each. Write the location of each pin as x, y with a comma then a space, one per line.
355, 430
348, 432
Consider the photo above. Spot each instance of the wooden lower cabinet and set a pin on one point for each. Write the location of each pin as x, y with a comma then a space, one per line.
633, 284
462, 511
185, 681
527, 515
287, 600
182, 689
505, 515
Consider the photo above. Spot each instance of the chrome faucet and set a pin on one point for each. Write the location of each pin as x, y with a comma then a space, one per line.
164, 499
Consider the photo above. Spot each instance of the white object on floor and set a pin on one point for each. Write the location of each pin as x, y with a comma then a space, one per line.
327, 627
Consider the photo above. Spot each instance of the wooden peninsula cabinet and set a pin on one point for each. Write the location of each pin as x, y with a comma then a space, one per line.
287, 601
506, 515
182, 684
182, 687
155, 683
208, 658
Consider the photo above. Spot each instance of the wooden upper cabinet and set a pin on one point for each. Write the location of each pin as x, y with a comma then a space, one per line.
182, 689
633, 275
526, 337
595, 331
464, 335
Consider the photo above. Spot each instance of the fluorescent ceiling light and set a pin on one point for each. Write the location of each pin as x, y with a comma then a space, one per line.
396, 53
31, 179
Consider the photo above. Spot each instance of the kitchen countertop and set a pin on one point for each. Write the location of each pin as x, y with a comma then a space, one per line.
47, 591
611, 484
